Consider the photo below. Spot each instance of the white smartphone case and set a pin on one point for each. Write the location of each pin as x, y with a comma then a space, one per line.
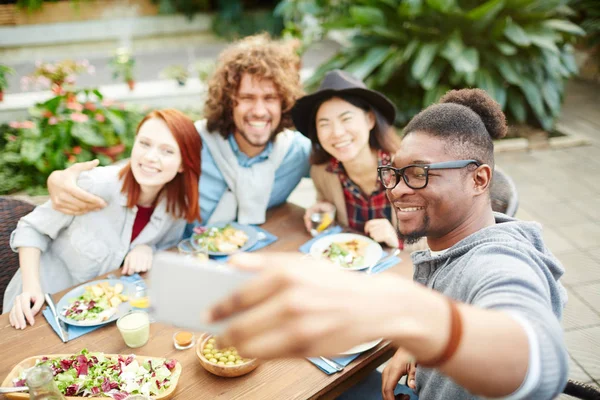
182, 289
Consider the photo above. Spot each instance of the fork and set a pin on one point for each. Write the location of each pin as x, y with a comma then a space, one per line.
392, 254
333, 364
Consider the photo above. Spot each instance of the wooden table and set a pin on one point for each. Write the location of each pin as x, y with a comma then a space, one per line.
277, 380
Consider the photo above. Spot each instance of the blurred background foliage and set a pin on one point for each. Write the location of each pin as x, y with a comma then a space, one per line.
519, 51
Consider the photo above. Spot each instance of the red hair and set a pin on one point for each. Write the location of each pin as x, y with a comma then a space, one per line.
181, 191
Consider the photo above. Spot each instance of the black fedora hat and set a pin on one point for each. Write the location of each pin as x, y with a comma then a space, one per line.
338, 82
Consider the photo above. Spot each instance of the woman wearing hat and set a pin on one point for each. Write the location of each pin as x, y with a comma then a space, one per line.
351, 131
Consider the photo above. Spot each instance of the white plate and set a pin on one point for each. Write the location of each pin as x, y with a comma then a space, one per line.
373, 251
66, 300
362, 347
248, 229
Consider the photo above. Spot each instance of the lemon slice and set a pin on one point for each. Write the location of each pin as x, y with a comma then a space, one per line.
325, 223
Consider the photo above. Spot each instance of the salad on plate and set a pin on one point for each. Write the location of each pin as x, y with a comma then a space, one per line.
348, 254
89, 374
226, 239
97, 303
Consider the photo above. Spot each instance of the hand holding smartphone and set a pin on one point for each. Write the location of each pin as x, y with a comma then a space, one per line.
182, 289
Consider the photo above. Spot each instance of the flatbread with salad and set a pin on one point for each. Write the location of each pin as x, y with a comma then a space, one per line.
94, 374
220, 239
98, 303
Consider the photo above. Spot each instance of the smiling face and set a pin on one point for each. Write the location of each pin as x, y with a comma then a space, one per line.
257, 112
443, 205
155, 157
343, 129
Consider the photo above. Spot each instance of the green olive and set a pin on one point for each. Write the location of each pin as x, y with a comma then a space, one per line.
231, 358
211, 340
227, 353
218, 355
208, 346
213, 360
229, 363
224, 359
220, 363
239, 362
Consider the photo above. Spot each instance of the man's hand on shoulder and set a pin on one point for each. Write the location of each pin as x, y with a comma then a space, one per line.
69, 198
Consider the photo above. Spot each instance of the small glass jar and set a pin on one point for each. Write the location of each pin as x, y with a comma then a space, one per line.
183, 340
41, 384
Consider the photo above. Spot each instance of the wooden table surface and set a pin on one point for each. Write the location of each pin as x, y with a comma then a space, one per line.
277, 380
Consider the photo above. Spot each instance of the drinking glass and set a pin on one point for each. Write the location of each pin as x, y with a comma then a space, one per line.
199, 253
135, 328
322, 218
139, 298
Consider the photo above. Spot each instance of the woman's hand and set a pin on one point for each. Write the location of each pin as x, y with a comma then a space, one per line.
403, 363
321, 206
138, 260
382, 231
23, 311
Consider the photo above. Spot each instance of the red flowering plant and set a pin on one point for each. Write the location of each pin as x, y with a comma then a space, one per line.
72, 127
60, 77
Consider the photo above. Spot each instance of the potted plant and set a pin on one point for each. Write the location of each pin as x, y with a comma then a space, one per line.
4, 70
122, 64
204, 69
177, 72
60, 77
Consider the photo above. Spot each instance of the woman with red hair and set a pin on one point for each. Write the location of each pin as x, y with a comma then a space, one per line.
149, 200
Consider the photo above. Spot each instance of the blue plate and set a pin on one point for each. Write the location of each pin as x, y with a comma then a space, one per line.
250, 231
68, 298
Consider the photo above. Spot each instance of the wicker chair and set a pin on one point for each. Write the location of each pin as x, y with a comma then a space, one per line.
11, 210
581, 390
503, 193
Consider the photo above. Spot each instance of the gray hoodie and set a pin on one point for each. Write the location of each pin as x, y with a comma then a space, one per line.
502, 267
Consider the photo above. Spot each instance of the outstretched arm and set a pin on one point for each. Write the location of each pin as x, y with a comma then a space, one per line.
297, 309
69, 198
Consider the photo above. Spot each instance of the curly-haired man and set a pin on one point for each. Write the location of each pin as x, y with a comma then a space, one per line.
251, 160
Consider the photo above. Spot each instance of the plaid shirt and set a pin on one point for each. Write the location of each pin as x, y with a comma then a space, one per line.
360, 207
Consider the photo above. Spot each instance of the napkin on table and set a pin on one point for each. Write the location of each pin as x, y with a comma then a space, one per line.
343, 360
76, 331
264, 242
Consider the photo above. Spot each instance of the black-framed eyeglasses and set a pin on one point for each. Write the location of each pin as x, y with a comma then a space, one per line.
416, 176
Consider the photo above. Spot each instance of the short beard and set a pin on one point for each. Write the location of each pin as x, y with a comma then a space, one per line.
415, 236
271, 137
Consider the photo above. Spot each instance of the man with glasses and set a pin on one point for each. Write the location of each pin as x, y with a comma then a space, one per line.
483, 317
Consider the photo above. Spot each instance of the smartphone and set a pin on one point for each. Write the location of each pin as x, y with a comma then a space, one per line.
182, 289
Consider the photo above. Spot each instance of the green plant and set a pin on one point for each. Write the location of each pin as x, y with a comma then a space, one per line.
5, 70
68, 128
56, 76
122, 64
587, 15
519, 51
204, 69
177, 72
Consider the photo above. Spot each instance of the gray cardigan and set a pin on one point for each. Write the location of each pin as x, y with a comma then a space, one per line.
503, 267
77, 249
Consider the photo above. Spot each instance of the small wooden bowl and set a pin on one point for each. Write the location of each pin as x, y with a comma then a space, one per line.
226, 371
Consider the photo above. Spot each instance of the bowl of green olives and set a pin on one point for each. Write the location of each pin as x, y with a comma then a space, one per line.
225, 362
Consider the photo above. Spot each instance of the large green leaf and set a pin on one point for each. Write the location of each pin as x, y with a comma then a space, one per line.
423, 60
507, 70
535, 101
433, 75
492, 85
388, 68
87, 135
506, 49
563, 26
544, 38
516, 34
362, 67
485, 14
410, 8
367, 16
552, 97
516, 105
467, 61
433, 95
453, 46
568, 60
442, 6
32, 150
117, 122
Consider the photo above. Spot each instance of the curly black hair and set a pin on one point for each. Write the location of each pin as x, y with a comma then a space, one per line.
467, 120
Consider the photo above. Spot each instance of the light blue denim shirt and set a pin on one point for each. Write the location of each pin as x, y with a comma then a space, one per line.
294, 167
